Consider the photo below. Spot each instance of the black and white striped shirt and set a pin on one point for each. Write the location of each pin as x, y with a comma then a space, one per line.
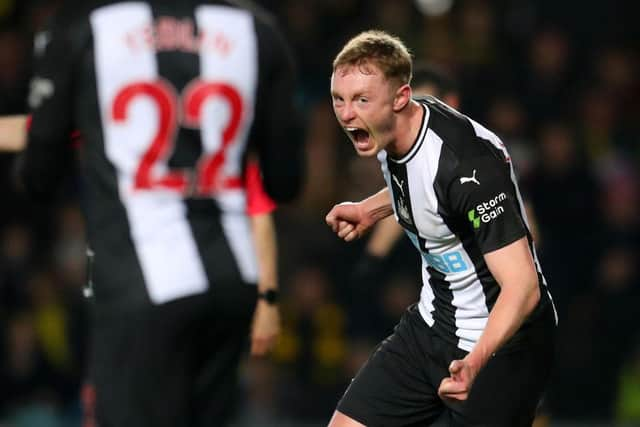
168, 96
455, 194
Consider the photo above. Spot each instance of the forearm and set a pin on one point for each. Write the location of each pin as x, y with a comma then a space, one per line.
384, 237
266, 251
512, 307
513, 268
266, 318
378, 206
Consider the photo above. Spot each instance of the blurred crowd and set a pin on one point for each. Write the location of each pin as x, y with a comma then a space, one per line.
557, 81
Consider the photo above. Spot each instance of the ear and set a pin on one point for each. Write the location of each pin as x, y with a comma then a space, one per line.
452, 100
402, 97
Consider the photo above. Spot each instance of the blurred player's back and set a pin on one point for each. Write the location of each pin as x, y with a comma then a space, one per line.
169, 96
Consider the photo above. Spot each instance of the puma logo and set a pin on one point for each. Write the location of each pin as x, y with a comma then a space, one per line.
398, 183
472, 178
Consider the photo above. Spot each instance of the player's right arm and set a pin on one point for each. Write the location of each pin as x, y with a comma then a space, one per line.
13, 130
384, 237
491, 210
351, 221
48, 155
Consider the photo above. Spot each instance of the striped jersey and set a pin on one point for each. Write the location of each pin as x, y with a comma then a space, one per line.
169, 97
455, 194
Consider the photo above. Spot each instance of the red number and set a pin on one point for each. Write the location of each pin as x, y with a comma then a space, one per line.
209, 179
164, 98
194, 97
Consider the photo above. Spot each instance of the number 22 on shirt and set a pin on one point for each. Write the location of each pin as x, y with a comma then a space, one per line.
186, 110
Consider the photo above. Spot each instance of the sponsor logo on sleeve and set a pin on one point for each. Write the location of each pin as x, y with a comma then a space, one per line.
486, 212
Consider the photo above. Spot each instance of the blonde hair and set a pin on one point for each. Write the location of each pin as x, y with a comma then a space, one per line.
385, 51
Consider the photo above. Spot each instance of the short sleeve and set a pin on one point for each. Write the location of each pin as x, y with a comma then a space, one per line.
484, 196
258, 201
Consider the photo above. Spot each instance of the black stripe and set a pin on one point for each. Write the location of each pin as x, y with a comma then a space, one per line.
455, 130
219, 262
203, 215
180, 68
462, 228
401, 196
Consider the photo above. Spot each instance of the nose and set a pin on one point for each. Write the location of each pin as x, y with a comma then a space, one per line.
347, 113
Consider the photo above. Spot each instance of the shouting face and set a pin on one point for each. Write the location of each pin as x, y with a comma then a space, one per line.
364, 102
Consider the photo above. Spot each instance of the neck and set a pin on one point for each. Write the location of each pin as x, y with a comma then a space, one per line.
407, 127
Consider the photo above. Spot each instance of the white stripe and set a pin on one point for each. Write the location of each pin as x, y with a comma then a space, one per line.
237, 68
237, 229
384, 165
471, 309
425, 306
157, 218
467, 291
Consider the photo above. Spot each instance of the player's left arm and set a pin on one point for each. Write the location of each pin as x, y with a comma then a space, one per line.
276, 131
493, 211
13, 133
48, 155
266, 318
385, 235
513, 268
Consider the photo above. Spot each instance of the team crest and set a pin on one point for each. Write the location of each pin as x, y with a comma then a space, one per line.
403, 211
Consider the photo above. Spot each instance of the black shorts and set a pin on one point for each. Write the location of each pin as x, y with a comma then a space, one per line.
398, 386
171, 365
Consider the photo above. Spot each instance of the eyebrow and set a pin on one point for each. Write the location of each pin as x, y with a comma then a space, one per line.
355, 95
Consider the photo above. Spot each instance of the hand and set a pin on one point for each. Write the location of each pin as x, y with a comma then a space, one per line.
349, 220
265, 329
458, 385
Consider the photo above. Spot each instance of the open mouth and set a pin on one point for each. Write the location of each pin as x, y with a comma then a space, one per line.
359, 136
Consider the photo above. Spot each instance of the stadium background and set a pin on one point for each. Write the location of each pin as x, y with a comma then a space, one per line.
557, 80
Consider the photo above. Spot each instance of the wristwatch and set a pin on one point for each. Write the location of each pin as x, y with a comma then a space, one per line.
270, 296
